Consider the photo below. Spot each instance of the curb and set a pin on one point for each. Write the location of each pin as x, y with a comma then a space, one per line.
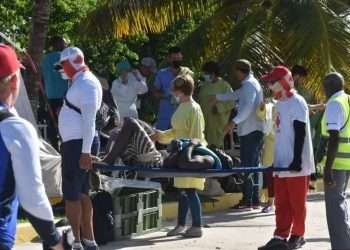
26, 233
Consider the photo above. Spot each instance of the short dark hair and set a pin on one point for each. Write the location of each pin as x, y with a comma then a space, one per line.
57, 41
299, 70
184, 84
211, 67
174, 50
243, 65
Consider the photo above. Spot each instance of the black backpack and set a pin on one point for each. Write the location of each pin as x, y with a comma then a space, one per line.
103, 219
227, 161
103, 115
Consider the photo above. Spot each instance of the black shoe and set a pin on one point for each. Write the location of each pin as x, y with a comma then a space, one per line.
275, 244
242, 206
296, 242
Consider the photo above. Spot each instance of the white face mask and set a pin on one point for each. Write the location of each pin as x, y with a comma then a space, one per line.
177, 99
63, 74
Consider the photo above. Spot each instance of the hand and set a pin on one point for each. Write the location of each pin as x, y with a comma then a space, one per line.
229, 127
262, 106
328, 177
211, 99
295, 166
215, 109
155, 136
85, 161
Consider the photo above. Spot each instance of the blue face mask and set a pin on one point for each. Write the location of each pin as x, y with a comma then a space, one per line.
207, 77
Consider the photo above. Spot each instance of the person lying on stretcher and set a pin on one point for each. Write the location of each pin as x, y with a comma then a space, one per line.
133, 144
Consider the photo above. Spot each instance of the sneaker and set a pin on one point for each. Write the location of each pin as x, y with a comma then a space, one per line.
193, 232
275, 244
77, 245
256, 206
176, 231
90, 246
242, 206
296, 242
268, 209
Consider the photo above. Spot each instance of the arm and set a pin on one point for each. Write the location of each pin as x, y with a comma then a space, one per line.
299, 139
165, 137
228, 96
88, 112
225, 106
22, 142
141, 85
335, 120
157, 92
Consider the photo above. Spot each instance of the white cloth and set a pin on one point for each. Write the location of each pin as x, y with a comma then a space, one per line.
335, 114
125, 95
269, 122
85, 93
293, 109
21, 140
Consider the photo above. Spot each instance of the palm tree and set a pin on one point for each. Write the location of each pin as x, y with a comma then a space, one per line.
315, 33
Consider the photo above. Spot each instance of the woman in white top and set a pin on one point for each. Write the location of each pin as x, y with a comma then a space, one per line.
126, 88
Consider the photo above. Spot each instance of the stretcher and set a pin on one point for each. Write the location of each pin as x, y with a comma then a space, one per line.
168, 172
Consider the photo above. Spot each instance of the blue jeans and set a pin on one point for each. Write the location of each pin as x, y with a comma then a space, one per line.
189, 199
250, 148
337, 210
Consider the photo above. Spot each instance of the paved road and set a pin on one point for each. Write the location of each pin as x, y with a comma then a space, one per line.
229, 231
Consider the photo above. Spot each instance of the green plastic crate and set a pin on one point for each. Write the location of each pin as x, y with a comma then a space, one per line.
136, 211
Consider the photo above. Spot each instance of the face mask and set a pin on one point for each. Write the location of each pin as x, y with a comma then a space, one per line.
177, 99
176, 64
207, 77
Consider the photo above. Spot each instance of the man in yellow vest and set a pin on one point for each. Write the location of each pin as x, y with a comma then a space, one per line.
336, 128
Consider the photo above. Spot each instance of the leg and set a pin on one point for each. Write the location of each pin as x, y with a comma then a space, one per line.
283, 211
182, 209
244, 155
297, 189
123, 139
337, 211
85, 201
72, 176
86, 218
195, 206
73, 213
256, 146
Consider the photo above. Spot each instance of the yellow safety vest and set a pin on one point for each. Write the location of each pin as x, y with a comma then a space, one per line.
342, 160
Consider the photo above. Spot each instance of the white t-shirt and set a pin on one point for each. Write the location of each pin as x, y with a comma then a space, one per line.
85, 93
125, 95
21, 140
294, 108
335, 114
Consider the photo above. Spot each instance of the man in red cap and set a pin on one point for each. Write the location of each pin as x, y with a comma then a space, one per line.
293, 150
20, 171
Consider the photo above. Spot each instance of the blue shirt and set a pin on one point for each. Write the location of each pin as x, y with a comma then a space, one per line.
166, 110
55, 86
249, 97
8, 200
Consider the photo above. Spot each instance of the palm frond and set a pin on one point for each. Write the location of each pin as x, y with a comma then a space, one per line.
129, 17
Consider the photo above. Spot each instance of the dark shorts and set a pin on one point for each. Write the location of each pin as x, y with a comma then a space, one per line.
75, 181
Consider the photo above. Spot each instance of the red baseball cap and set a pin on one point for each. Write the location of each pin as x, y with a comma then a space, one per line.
277, 73
8, 61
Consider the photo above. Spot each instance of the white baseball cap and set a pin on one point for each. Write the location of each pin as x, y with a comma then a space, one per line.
74, 55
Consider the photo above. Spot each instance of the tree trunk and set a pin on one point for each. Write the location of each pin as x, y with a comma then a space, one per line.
40, 23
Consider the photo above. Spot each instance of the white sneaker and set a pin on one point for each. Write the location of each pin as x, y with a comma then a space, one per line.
176, 231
